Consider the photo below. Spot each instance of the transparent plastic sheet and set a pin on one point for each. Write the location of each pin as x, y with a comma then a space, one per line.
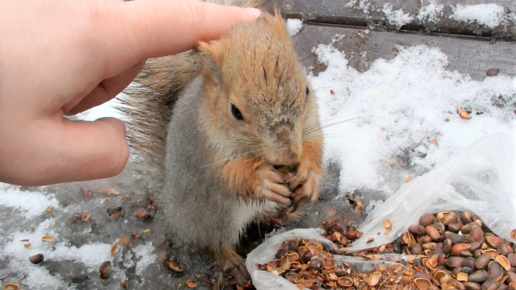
480, 179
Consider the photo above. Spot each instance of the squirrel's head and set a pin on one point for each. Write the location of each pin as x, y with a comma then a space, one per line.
256, 92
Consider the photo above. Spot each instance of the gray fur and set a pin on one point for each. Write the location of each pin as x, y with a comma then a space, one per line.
195, 200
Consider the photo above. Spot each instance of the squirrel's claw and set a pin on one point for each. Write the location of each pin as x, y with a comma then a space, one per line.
271, 186
230, 263
306, 185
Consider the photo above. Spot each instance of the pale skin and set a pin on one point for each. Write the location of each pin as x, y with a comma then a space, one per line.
62, 57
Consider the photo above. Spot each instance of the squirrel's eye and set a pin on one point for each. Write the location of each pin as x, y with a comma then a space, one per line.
307, 92
236, 113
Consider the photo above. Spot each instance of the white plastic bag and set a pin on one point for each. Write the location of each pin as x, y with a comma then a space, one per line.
480, 179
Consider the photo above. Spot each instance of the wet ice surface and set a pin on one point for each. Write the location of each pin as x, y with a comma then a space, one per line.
397, 119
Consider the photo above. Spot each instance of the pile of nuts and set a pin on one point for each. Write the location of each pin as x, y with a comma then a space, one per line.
450, 250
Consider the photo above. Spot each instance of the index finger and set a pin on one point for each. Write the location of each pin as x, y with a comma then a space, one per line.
143, 29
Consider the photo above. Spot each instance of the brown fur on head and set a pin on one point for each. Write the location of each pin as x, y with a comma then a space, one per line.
254, 71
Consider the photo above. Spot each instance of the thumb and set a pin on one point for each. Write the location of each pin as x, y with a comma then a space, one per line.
78, 151
96, 149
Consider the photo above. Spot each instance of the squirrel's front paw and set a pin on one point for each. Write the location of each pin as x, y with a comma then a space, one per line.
305, 183
271, 185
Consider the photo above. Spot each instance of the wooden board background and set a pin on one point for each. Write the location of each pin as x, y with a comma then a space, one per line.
471, 48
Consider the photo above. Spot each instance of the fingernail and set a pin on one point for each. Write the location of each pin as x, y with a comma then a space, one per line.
254, 12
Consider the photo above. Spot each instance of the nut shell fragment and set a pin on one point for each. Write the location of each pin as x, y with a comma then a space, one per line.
422, 283
464, 114
190, 284
11, 286
174, 267
48, 239
387, 224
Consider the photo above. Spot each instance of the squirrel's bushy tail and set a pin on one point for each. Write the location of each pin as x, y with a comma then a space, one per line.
149, 101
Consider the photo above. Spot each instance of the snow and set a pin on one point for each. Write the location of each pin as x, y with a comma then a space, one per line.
430, 12
396, 109
398, 17
397, 119
491, 15
145, 256
294, 26
30, 203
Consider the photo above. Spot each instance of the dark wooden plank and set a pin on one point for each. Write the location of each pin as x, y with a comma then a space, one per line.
467, 55
343, 13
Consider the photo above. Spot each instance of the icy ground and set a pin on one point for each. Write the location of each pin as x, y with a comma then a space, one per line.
395, 121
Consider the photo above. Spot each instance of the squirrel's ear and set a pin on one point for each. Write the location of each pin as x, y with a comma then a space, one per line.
211, 60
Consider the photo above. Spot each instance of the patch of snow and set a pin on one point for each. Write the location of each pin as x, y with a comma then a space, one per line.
491, 15
337, 38
430, 12
381, 125
30, 203
362, 5
398, 17
146, 257
294, 26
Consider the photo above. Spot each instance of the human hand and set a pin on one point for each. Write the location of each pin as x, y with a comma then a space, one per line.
63, 57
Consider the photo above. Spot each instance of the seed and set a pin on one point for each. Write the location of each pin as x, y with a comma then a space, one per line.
505, 249
36, 259
433, 232
456, 239
426, 220
125, 284
416, 249
424, 240
511, 277
460, 247
490, 284
492, 72
513, 234
143, 215
471, 286
447, 246
454, 262
190, 284
417, 230
478, 276
469, 262
104, 270
493, 241
80, 278
482, 261
447, 217
316, 263
430, 246
455, 284
512, 259
495, 270
455, 227
464, 114
475, 234
467, 270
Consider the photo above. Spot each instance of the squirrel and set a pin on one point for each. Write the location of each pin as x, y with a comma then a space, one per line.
233, 128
